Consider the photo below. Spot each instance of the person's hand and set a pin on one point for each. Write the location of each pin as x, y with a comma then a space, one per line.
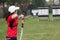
22, 16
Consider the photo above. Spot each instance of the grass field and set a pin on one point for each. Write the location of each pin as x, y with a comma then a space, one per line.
35, 30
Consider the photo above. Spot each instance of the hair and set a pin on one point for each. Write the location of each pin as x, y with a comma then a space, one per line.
12, 4
8, 15
11, 23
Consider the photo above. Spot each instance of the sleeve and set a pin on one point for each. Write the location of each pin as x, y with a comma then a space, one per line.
9, 18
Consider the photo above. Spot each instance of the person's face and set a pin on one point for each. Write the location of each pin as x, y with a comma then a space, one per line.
16, 11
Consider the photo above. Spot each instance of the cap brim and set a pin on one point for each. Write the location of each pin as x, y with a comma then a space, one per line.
17, 8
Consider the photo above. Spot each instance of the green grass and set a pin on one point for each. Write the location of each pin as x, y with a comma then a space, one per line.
35, 30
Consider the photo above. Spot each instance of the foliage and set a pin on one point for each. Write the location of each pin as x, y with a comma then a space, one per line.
40, 3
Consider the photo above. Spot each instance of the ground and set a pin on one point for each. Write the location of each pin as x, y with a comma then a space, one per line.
35, 29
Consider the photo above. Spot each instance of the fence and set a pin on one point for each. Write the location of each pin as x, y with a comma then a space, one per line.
44, 11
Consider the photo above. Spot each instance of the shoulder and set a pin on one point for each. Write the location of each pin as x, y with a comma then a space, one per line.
9, 18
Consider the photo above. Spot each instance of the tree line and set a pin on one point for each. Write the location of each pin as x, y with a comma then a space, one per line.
28, 4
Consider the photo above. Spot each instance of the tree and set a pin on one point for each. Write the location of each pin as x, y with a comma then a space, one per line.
40, 3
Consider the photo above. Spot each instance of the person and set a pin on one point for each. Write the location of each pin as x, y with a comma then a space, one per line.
12, 23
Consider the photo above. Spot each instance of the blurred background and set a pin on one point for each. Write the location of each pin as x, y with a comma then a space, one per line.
42, 19
32, 7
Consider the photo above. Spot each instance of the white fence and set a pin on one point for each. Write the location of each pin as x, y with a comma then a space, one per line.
46, 11
56, 12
